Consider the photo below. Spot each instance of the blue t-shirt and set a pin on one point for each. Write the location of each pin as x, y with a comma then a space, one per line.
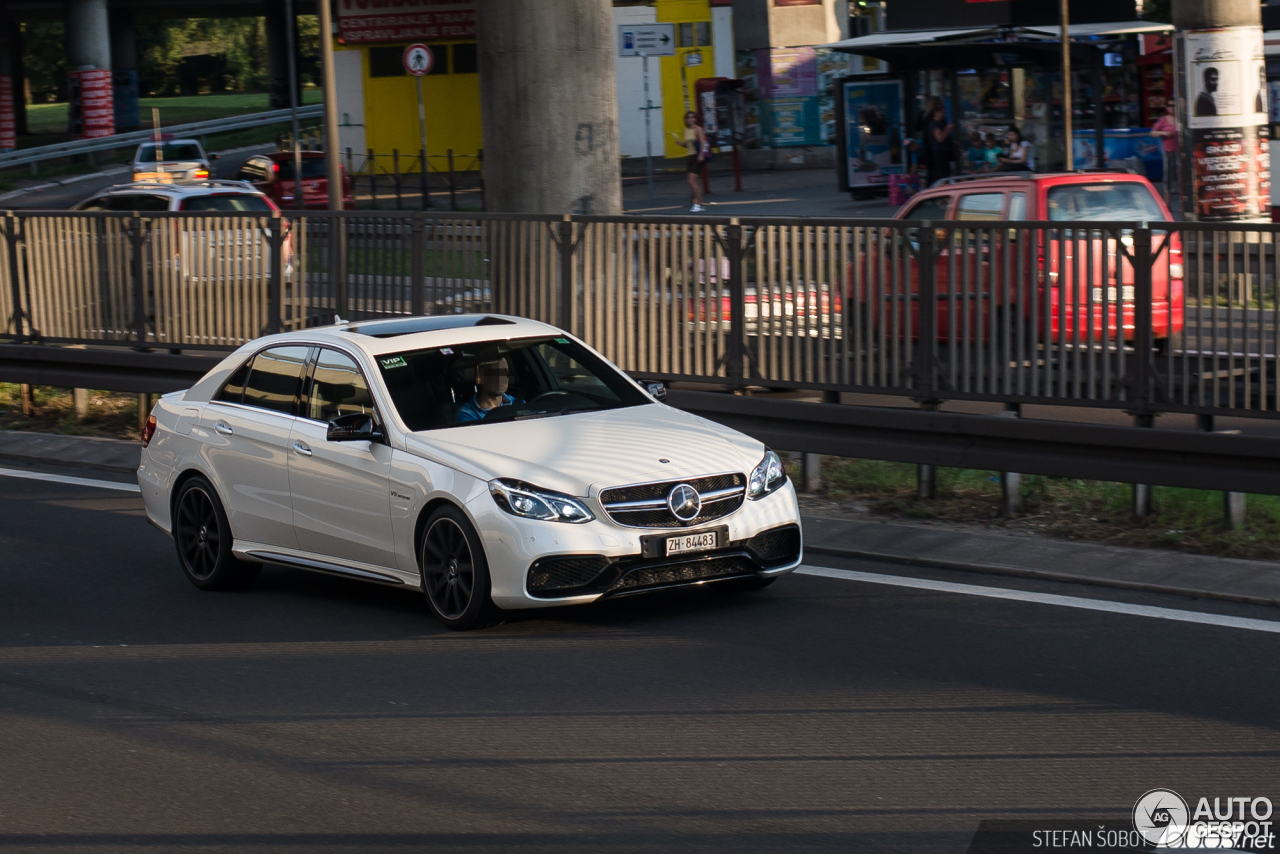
472, 411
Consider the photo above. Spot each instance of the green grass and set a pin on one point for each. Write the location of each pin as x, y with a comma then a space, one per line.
52, 118
399, 262
1184, 519
113, 414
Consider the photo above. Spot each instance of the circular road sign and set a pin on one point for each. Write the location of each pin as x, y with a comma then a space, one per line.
418, 60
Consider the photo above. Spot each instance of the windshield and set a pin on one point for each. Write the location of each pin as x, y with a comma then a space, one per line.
1127, 200
171, 151
227, 202
502, 381
312, 167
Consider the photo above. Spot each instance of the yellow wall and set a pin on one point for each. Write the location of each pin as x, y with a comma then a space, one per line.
673, 86
452, 106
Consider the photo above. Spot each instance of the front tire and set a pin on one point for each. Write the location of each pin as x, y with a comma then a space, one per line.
455, 573
203, 537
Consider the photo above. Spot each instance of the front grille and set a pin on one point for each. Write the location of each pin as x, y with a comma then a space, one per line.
566, 573
657, 576
777, 546
644, 505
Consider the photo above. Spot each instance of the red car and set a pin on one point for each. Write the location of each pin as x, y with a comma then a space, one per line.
993, 268
273, 175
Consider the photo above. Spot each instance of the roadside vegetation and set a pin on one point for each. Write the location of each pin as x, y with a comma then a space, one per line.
110, 414
1189, 520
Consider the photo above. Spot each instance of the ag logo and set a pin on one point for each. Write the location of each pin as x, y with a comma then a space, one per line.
1161, 817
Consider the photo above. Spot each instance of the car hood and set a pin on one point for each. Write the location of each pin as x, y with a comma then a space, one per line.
585, 452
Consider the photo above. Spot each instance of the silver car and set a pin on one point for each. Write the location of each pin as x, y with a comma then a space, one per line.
177, 160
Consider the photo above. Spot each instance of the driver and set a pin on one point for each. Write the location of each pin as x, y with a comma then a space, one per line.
491, 381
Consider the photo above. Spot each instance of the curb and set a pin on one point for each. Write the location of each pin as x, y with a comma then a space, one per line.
1017, 572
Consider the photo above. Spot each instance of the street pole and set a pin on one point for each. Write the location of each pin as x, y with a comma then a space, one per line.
289, 35
333, 168
1065, 20
648, 137
422, 144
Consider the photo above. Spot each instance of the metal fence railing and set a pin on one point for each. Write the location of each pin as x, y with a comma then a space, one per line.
1144, 317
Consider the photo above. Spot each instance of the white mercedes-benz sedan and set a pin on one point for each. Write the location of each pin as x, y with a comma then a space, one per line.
493, 462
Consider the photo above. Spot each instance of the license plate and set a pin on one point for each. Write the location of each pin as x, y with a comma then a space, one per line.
686, 543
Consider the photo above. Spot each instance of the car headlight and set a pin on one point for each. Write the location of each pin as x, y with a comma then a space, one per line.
766, 477
521, 499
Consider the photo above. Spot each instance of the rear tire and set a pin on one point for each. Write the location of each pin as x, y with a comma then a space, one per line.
203, 537
455, 573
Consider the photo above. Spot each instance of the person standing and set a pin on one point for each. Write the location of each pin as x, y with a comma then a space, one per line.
699, 150
1021, 156
940, 145
1166, 128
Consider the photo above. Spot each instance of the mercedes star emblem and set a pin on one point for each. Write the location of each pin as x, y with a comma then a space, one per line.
684, 502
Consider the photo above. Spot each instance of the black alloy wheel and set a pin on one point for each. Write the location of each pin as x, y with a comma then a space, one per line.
455, 574
203, 537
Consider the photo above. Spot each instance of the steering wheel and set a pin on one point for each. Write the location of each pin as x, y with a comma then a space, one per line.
552, 393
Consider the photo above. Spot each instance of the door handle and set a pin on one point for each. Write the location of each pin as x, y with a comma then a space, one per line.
301, 448
223, 428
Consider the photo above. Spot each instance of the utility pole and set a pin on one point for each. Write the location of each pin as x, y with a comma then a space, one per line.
1064, 15
290, 33
333, 167
648, 136
1220, 79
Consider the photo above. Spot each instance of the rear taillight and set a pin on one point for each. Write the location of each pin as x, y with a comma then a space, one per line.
202, 173
148, 431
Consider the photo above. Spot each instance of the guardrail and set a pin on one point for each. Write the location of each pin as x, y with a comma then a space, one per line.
1140, 317
24, 156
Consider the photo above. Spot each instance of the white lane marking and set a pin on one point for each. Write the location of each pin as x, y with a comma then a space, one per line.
1046, 599
74, 481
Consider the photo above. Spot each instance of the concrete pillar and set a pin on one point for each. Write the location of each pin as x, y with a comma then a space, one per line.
17, 70
548, 98
8, 94
1011, 482
1142, 491
80, 400
1234, 509
88, 37
124, 69
277, 23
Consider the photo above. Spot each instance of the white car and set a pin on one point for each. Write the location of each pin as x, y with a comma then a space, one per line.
494, 462
177, 161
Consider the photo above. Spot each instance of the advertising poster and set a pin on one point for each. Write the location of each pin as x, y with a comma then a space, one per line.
873, 131
793, 121
8, 139
787, 72
1228, 104
92, 104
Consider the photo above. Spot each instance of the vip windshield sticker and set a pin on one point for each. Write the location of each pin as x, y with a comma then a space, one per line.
562, 340
393, 362
445, 351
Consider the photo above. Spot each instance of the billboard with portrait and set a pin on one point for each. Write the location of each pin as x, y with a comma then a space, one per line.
873, 141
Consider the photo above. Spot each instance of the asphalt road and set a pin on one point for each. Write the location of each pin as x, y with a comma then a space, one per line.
823, 714
69, 195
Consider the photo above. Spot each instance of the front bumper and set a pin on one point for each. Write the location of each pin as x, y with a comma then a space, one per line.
514, 546
767, 553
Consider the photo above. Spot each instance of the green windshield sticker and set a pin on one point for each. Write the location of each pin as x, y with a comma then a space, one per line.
562, 340
394, 362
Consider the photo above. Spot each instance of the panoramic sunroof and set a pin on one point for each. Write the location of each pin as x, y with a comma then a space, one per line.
410, 326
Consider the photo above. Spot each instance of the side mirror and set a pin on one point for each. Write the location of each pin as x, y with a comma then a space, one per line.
353, 428
658, 390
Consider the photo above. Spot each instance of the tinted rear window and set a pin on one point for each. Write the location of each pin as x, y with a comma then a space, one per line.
312, 167
171, 151
255, 204
1115, 201
931, 209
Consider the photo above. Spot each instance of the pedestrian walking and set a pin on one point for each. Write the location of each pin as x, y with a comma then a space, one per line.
699, 152
1166, 128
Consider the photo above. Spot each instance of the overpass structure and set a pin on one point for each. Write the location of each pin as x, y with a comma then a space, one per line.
102, 54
